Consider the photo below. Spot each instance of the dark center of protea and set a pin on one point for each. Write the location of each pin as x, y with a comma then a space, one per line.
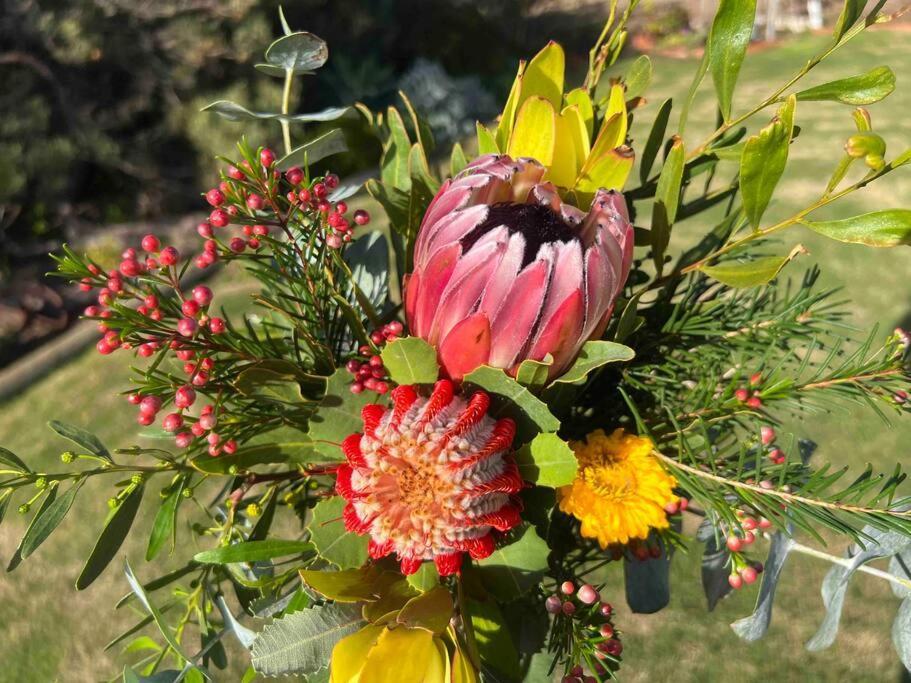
538, 225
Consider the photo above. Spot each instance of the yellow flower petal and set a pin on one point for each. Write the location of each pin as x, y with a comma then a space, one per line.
404, 655
349, 654
544, 76
535, 132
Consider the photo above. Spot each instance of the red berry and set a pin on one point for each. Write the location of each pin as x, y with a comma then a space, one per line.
169, 256
381, 388
748, 524
331, 181
266, 157
130, 268
568, 588
748, 538
754, 402
190, 308
735, 581
237, 244
186, 327
356, 388
208, 421
323, 206
606, 609
748, 574
235, 173
217, 326
304, 195
255, 202
104, 348
253, 243
320, 190
145, 419
219, 218
361, 217
260, 230
606, 631
230, 446
134, 399
184, 397
553, 604
215, 197
568, 608
150, 243
202, 295
213, 438
767, 434
183, 439
294, 175
764, 523
756, 379
204, 230
172, 422
150, 405
589, 595
352, 366
146, 350
741, 395
200, 379
614, 647
734, 544
197, 429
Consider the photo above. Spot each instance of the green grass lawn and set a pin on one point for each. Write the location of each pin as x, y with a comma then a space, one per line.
52, 632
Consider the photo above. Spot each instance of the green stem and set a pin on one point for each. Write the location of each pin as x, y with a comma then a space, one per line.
286, 107
846, 562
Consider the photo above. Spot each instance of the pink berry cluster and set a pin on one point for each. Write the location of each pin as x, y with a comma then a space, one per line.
186, 429
767, 437
368, 369
750, 396
583, 614
743, 570
256, 196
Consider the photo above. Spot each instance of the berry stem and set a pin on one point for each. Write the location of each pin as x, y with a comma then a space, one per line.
846, 562
286, 106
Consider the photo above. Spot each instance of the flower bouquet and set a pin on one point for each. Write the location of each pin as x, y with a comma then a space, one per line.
419, 449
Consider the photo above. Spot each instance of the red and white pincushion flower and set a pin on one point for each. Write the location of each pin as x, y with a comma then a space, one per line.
430, 478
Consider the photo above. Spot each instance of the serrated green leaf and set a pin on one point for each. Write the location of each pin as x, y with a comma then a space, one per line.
301, 643
91, 443
315, 150
253, 551
10, 463
495, 381
299, 52
50, 518
639, 77
411, 360
765, 156
333, 543
517, 565
888, 228
338, 414
232, 111
593, 355
547, 461
727, 46
112, 536
862, 89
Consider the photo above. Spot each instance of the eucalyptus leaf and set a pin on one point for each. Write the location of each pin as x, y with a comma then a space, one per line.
244, 635
900, 566
232, 111
727, 45
411, 360
298, 52
302, 643
315, 150
715, 572
901, 633
333, 542
368, 258
754, 627
253, 551
834, 587
888, 228
862, 89
112, 536
547, 461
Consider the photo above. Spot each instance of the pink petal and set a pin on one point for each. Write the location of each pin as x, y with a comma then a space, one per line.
561, 335
451, 228
466, 347
432, 280
566, 276
513, 326
598, 289
504, 277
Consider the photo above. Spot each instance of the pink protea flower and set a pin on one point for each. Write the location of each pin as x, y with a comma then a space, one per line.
504, 270
430, 478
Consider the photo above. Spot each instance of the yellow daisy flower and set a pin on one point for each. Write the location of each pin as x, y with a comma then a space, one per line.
621, 489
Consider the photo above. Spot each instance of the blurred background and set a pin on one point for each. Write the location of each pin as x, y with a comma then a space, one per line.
102, 139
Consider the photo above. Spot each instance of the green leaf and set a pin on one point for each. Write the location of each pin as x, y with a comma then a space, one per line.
252, 551
394, 165
301, 643
411, 360
669, 182
638, 77
654, 140
424, 578
48, 519
10, 463
592, 356
232, 111
299, 451
457, 160
763, 162
269, 384
362, 584
495, 381
49, 499
858, 90
888, 228
752, 273
727, 46
315, 150
431, 610
333, 543
515, 568
91, 443
299, 52
850, 13
277, 71
338, 414
534, 373
495, 643
543, 77
547, 461
486, 142
115, 531
163, 627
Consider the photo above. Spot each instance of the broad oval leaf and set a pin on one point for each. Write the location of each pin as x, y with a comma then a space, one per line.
315, 150
411, 360
253, 551
535, 132
593, 355
638, 77
338, 414
495, 381
115, 531
302, 642
888, 228
759, 271
299, 52
727, 46
858, 90
543, 77
753, 627
517, 565
765, 156
430, 610
333, 542
547, 461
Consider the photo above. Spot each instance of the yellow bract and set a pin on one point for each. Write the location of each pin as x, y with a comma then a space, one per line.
557, 129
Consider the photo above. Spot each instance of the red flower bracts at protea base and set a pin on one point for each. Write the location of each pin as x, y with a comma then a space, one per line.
431, 478
505, 270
